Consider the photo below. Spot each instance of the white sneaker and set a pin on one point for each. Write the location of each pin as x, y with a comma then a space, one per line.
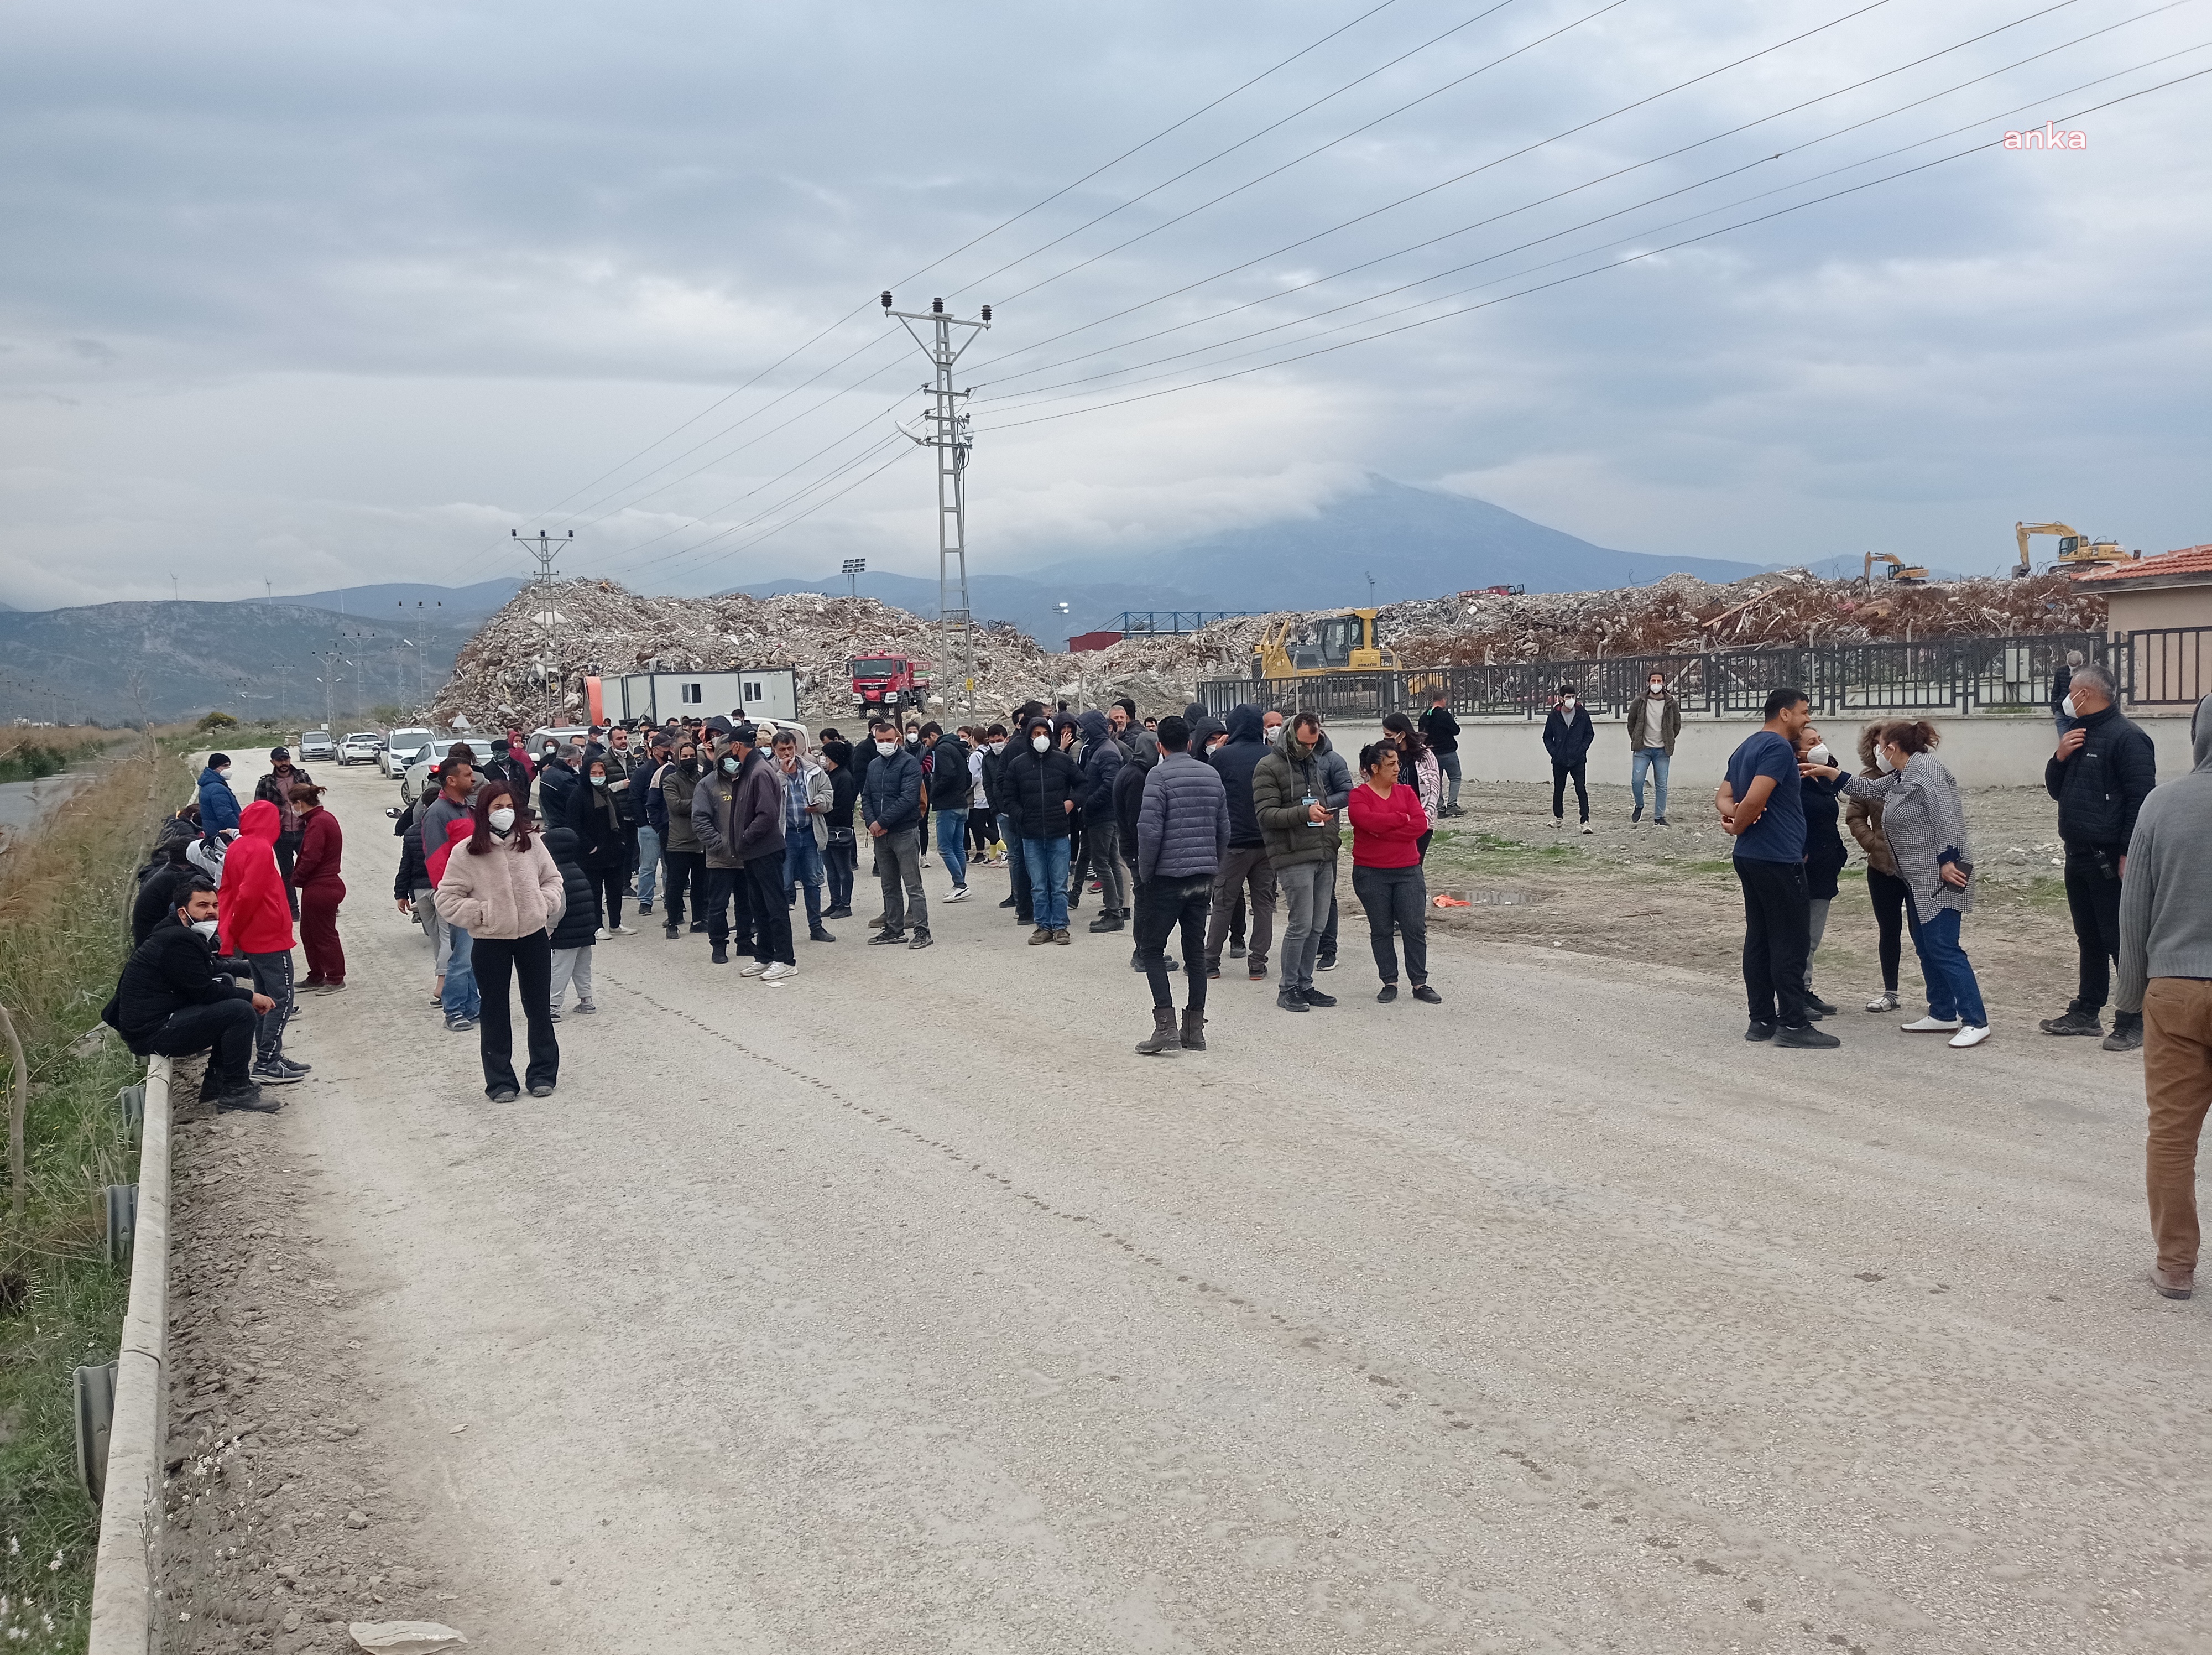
624, 931
599, 935
1934, 1026
959, 894
758, 970
778, 971
1587, 828
1971, 1036
1884, 1001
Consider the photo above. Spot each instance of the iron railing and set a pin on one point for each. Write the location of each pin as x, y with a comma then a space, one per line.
1134, 622
1942, 675
2167, 666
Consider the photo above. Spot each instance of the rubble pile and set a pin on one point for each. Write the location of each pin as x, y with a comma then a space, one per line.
605, 630
1682, 614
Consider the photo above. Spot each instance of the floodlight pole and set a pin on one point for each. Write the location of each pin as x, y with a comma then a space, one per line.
946, 431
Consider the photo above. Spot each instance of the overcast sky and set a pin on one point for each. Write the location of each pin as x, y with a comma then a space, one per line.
327, 294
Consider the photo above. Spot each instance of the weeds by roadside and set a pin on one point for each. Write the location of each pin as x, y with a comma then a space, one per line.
64, 935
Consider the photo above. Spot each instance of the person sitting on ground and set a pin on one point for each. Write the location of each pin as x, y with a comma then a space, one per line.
1387, 827
157, 889
172, 1002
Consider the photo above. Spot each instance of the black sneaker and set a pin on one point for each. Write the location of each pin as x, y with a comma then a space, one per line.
920, 938
1009, 903
1111, 920
1758, 1031
1315, 997
245, 1095
699, 927
1659, 821
1814, 1003
1255, 969
1427, 995
1290, 1000
720, 956
1805, 1038
670, 932
887, 935
817, 934
2126, 1036
459, 1025
839, 912
2073, 1020
1388, 993
1326, 963
1236, 949
297, 1069
271, 1072
642, 908
1212, 968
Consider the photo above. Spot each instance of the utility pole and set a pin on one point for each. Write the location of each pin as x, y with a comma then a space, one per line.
545, 548
946, 431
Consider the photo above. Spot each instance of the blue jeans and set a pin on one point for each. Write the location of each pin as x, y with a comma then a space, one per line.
460, 998
802, 865
1047, 862
952, 844
648, 863
1449, 763
1654, 760
1952, 989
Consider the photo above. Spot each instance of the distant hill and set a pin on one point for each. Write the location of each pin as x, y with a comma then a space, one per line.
170, 660
1033, 606
470, 603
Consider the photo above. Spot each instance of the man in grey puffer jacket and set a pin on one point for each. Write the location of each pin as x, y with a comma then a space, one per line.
1183, 836
2166, 974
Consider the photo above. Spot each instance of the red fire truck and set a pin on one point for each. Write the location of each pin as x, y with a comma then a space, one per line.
890, 682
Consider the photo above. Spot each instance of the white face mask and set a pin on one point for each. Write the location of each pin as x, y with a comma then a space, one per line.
1568, 702
502, 819
225, 772
1657, 690
1819, 754
1881, 761
2065, 707
886, 749
1040, 742
205, 928
998, 746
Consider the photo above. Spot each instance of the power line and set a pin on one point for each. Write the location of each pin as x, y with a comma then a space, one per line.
1650, 253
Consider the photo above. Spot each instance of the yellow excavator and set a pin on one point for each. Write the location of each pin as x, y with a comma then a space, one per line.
2075, 549
1296, 646
1900, 572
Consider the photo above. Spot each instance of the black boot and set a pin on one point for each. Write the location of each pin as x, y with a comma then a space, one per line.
1194, 1030
1110, 921
1165, 1039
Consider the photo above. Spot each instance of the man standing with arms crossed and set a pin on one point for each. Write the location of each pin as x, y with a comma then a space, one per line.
1762, 807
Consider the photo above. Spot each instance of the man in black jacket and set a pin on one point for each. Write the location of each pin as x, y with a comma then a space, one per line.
1128, 802
1043, 788
891, 803
2104, 768
1441, 731
1246, 863
1567, 738
172, 1003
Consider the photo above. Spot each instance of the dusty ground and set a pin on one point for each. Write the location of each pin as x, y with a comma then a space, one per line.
902, 1308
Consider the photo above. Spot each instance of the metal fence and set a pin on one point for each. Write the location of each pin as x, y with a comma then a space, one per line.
1132, 622
2166, 666
1941, 675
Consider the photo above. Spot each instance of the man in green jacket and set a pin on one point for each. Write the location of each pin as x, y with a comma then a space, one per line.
1655, 719
1289, 790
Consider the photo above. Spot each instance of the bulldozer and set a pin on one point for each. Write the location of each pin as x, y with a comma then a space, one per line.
2076, 551
1900, 572
1294, 647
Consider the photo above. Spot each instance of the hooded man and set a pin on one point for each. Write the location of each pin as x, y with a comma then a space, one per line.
2165, 979
1246, 862
254, 911
1128, 803
218, 804
1103, 758
945, 766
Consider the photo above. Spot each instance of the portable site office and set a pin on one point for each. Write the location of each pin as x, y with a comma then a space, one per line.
750, 692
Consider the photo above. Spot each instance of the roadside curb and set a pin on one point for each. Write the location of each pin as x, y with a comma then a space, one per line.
127, 1562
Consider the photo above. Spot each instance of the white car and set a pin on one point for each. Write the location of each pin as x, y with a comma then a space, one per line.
401, 749
418, 773
360, 748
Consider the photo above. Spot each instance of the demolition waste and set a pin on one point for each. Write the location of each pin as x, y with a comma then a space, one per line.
498, 678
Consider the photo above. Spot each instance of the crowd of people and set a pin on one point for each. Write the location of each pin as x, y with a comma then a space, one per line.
1194, 832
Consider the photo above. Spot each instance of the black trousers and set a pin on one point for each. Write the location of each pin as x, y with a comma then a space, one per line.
286, 850
687, 870
272, 975
1396, 900
1019, 864
728, 891
838, 863
771, 909
607, 883
224, 1029
1560, 773
529, 961
2093, 897
1162, 906
1889, 895
1778, 931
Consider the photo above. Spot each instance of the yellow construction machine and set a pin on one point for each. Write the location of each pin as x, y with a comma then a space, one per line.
2075, 549
1900, 572
1294, 647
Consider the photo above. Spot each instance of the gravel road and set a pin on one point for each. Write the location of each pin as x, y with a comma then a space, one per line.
903, 1308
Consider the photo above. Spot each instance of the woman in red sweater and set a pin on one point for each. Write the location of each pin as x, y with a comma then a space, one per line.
315, 871
1388, 824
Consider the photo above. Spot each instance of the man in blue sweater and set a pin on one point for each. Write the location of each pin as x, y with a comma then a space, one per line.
1183, 837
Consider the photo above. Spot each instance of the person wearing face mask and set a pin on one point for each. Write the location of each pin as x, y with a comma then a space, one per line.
1886, 891
1926, 827
1237, 751
1292, 791
1655, 719
2061, 681
1045, 787
1567, 738
983, 821
713, 819
687, 861
841, 846
1271, 727
316, 876
1102, 759
945, 766
275, 789
571, 938
1762, 808
808, 794
1825, 855
892, 800
557, 779
172, 1002
218, 804
255, 911
2103, 769
503, 888
999, 751
652, 819
602, 845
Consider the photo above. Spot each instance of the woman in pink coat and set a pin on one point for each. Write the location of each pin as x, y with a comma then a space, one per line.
502, 887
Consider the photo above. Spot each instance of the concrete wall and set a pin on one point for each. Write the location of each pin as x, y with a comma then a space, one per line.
1982, 752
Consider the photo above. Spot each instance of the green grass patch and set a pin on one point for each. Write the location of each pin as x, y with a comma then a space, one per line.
28, 761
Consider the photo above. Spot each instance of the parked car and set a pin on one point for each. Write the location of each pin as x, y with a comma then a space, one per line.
417, 775
316, 746
401, 749
361, 747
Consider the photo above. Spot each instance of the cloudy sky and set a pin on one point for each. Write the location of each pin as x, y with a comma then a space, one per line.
325, 293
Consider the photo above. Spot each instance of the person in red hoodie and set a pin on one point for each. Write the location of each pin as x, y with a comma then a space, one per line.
315, 871
1386, 825
254, 919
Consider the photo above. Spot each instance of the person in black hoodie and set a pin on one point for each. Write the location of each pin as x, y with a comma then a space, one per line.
1567, 737
158, 889
840, 857
1246, 865
171, 1002
579, 922
1043, 788
1128, 802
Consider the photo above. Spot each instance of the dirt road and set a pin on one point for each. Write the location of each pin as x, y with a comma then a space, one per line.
903, 1308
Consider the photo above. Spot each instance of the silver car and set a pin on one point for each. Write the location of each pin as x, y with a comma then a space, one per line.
418, 772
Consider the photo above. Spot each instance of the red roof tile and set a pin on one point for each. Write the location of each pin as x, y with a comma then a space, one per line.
2189, 560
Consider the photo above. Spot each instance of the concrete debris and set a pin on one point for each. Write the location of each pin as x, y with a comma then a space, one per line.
403, 1637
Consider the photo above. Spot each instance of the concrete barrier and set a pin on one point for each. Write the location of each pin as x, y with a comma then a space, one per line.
126, 1568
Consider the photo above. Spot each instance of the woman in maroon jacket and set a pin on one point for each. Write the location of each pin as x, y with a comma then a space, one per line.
315, 871
1387, 825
